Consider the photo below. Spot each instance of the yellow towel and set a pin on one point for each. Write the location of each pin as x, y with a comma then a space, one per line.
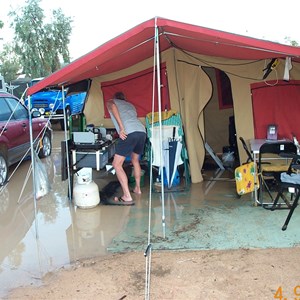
164, 116
246, 178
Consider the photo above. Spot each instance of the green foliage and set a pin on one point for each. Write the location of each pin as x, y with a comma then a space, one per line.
9, 63
291, 42
1, 24
41, 48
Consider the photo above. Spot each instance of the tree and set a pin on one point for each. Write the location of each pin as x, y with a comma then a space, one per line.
291, 42
9, 61
10, 64
40, 47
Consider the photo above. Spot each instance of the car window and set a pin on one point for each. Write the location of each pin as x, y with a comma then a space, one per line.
19, 111
5, 111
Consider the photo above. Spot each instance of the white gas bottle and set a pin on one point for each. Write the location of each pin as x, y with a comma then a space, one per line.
86, 191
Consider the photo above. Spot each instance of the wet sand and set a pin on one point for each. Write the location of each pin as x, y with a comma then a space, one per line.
235, 274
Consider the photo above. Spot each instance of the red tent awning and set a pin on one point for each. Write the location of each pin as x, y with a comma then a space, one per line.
137, 45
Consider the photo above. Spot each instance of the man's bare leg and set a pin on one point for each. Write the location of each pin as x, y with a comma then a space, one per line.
122, 177
137, 172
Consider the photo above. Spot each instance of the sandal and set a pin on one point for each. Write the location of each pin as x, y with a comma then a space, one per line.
120, 202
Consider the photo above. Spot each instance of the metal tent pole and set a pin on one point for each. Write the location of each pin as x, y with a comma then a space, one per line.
156, 79
70, 184
33, 167
160, 125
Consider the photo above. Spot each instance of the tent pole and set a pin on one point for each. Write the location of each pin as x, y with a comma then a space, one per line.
33, 168
156, 79
160, 121
147, 252
67, 146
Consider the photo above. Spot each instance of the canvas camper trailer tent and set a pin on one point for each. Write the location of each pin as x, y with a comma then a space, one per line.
191, 62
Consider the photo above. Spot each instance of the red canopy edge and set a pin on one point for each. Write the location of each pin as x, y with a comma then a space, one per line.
137, 44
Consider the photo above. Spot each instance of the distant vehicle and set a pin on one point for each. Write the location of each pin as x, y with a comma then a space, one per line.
2, 84
15, 133
50, 103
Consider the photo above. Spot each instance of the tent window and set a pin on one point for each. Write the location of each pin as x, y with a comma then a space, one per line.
138, 90
276, 104
224, 90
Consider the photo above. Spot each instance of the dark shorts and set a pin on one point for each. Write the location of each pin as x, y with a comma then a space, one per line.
135, 142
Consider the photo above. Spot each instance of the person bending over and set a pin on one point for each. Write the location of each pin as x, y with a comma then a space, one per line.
132, 137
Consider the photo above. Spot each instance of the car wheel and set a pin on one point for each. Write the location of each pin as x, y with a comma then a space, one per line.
62, 122
3, 169
46, 146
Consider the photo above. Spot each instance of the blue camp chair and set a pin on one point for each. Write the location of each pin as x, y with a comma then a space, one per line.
174, 166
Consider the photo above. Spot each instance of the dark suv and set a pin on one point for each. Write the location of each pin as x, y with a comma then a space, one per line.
15, 133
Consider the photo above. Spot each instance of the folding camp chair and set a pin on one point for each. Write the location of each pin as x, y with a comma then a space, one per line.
249, 158
245, 175
270, 165
288, 188
174, 165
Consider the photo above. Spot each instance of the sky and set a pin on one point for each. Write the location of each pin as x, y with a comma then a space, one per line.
96, 22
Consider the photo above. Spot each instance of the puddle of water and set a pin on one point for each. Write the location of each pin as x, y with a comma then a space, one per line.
38, 239
41, 238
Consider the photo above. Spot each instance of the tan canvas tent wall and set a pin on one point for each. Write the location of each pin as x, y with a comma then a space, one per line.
185, 49
190, 90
